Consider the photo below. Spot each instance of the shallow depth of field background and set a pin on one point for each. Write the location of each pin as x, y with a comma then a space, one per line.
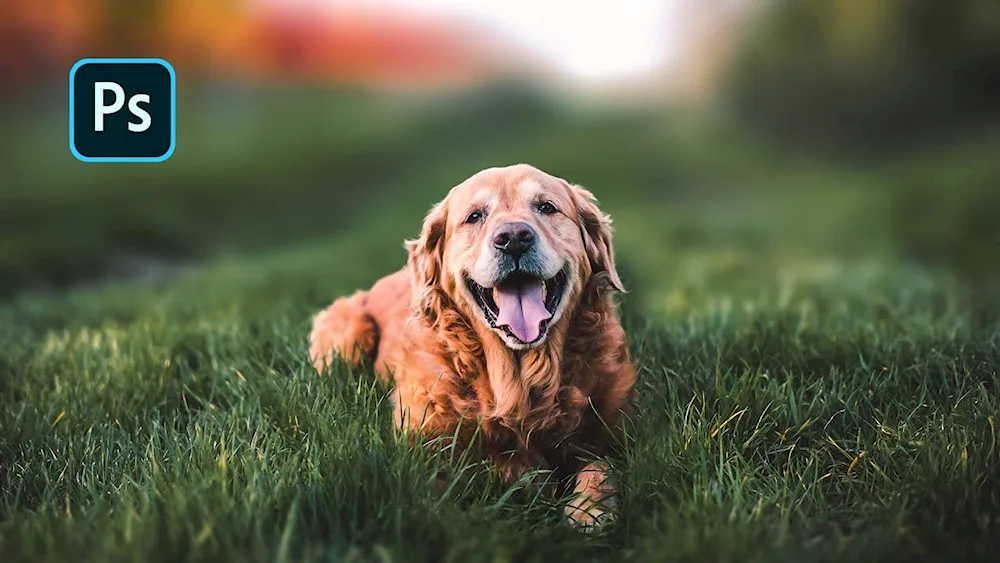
298, 120
807, 206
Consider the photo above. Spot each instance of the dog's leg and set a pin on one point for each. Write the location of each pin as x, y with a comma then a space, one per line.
345, 328
594, 498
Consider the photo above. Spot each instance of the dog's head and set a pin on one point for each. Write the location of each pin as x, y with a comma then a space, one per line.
513, 249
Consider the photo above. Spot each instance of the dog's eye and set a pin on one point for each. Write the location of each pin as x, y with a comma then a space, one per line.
474, 217
546, 208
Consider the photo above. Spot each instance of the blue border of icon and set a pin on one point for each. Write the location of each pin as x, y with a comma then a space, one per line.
173, 111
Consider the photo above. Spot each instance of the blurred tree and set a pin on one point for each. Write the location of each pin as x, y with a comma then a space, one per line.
36, 38
39, 41
127, 25
867, 73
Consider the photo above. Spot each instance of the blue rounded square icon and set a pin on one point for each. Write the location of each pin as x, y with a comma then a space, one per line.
122, 110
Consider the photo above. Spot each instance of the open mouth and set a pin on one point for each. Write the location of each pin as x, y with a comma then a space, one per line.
521, 304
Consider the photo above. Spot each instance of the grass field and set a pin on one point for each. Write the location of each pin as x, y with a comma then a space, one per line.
817, 354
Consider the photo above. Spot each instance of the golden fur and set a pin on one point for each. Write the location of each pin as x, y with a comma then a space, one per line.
555, 404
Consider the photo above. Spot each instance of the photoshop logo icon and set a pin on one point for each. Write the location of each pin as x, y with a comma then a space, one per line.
122, 110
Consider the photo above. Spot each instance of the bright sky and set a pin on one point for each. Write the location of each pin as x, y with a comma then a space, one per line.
589, 39
593, 40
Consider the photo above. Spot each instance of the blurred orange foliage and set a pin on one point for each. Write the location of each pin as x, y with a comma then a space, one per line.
37, 36
234, 39
357, 46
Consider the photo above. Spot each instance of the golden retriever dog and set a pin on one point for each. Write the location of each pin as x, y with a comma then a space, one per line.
501, 328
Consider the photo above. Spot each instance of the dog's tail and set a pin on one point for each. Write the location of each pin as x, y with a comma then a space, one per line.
345, 328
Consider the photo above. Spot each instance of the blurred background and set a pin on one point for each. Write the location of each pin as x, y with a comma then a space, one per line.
765, 130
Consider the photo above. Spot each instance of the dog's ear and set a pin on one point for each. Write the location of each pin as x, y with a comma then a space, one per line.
595, 227
426, 253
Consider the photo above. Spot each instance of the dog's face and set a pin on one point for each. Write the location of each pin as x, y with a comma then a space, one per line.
513, 248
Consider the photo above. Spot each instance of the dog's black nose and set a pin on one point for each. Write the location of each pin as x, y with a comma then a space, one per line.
514, 238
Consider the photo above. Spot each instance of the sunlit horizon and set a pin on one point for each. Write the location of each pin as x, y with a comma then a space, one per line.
591, 43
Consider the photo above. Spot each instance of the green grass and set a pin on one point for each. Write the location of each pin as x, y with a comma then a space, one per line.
808, 391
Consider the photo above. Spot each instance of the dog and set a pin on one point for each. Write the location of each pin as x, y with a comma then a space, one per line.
502, 328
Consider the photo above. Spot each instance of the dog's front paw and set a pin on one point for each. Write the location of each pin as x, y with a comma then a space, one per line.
594, 503
589, 514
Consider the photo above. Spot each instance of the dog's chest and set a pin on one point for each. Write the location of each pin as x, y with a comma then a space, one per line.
544, 426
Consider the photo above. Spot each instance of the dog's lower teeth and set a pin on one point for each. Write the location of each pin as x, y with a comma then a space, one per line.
545, 291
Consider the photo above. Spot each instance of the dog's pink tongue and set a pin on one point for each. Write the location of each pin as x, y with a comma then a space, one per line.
522, 310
